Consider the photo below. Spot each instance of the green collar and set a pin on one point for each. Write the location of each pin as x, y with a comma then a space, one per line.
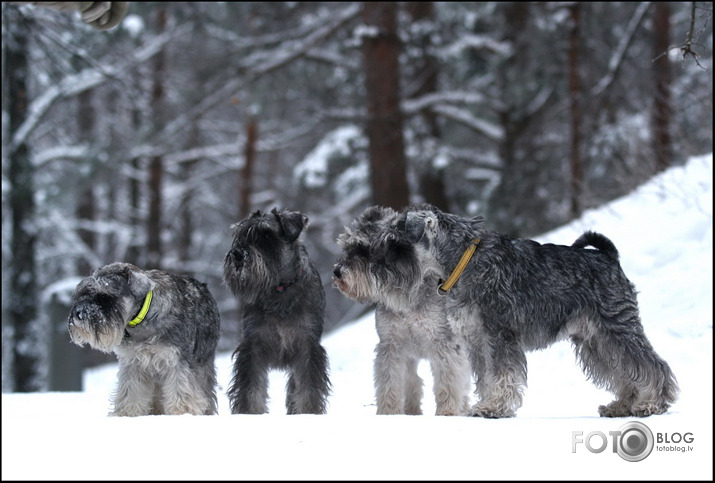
142, 313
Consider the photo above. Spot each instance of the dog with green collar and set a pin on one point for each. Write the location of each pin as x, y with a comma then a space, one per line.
164, 329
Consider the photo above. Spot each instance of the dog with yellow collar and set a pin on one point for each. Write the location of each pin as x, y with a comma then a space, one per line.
164, 329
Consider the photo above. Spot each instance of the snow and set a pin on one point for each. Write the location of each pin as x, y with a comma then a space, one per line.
663, 231
313, 170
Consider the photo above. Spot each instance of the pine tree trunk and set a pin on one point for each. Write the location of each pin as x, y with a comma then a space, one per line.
246, 174
575, 97
156, 165
661, 72
133, 251
22, 306
431, 177
381, 49
86, 202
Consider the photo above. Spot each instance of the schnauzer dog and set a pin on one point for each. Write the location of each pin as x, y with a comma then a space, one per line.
163, 328
516, 295
283, 311
378, 267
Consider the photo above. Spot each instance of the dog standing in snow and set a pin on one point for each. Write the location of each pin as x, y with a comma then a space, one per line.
506, 296
376, 266
164, 330
283, 310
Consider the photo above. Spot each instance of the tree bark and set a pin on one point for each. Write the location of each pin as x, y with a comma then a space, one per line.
431, 178
381, 49
86, 203
246, 175
156, 166
662, 143
575, 109
23, 303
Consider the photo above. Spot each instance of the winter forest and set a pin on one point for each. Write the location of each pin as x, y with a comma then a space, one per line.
144, 143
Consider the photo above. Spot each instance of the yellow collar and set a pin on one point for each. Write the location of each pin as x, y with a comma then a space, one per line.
142, 313
457, 272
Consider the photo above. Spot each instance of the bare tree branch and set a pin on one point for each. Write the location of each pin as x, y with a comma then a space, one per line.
616, 60
87, 79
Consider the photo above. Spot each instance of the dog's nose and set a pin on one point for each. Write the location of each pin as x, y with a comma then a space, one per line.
238, 256
77, 313
337, 270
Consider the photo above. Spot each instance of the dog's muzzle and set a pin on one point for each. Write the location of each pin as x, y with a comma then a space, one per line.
338, 271
85, 314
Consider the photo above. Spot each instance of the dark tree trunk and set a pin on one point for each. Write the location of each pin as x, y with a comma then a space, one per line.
86, 202
133, 251
186, 226
156, 165
574, 98
246, 175
22, 306
381, 49
662, 143
431, 178
508, 204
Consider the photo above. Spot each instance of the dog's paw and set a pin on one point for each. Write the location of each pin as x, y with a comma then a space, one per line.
616, 409
490, 412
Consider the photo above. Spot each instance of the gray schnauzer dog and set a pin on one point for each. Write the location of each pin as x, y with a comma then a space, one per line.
378, 267
283, 311
163, 328
516, 295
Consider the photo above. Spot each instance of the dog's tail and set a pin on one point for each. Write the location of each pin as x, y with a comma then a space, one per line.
599, 242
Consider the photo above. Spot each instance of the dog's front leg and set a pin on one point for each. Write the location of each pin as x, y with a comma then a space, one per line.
134, 393
308, 385
248, 393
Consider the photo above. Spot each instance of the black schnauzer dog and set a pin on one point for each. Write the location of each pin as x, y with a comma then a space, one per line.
507, 296
283, 311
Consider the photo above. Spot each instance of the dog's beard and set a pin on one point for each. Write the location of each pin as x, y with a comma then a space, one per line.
88, 325
255, 277
356, 285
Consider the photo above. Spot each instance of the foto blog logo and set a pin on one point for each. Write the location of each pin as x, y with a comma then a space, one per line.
633, 441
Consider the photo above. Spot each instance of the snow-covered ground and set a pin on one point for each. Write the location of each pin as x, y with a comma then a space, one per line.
664, 234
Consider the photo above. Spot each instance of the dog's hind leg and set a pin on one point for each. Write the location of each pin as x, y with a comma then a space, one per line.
182, 393
615, 354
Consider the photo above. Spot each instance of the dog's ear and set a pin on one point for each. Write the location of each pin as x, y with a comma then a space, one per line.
139, 283
414, 227
292, 222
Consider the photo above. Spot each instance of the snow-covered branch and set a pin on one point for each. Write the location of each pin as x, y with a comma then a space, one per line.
74, 153
491, 131
87, 79
252, 69
617, 58
412, 106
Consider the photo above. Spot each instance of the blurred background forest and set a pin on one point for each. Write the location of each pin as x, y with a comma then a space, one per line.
146, 142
